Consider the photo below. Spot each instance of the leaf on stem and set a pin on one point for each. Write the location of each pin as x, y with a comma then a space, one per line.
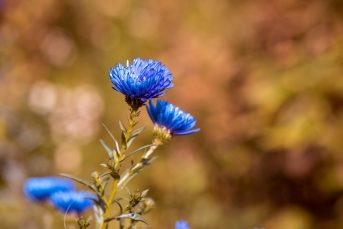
109, 151
121, 209
138, 131
146, 162
81, 181
105, 173
105, 183
129, 143
133, 136
136, 151
123, 140
109, 132
122, 127
100, 202
117, 149
132, 216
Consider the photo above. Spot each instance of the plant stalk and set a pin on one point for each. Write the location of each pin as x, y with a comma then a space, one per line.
127, 134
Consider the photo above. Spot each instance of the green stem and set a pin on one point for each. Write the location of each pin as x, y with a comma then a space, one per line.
127, 134
109, 203
140, 165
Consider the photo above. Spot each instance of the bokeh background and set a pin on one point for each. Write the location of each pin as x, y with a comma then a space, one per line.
264, 79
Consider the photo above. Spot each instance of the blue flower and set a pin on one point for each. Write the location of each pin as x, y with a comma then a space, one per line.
171, 118
40, 188
73, 201
181, 225
141, 81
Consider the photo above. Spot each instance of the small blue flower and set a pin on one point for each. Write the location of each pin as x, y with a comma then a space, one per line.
40, 188
141, 81
73, 201
172, 118
181, 225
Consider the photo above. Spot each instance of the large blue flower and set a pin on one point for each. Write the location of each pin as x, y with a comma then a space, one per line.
181, 225
72, 202
40, 188
141, 81
172, 118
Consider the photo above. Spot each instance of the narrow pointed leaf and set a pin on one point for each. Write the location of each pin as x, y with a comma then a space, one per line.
100, 202
127, 180
138, 131
121, 209
117, 148
149, 161
107, 148
105, 174
105, 183
109, 132
129, 143
133, 136
122, 127
136, 151
123, 139
132, 216
131, 174
81, 181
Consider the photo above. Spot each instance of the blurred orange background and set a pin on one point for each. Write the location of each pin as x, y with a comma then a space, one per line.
263, 78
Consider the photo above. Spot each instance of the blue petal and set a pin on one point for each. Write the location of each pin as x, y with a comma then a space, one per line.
172, 118
142, 80
70, 202
187, 132
41, 188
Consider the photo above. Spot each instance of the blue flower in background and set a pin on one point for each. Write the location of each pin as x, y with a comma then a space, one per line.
40, 188
172, 118
141, 81
181, 225
73, 201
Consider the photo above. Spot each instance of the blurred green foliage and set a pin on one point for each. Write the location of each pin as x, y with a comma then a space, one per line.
264, 78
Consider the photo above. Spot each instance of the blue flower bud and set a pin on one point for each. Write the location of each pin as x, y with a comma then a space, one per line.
73, 201
171, 118
141, 81
181, 225
41, 188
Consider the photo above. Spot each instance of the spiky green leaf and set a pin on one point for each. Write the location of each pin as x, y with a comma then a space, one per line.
136, 151
81, 181
109, 151
122, 127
